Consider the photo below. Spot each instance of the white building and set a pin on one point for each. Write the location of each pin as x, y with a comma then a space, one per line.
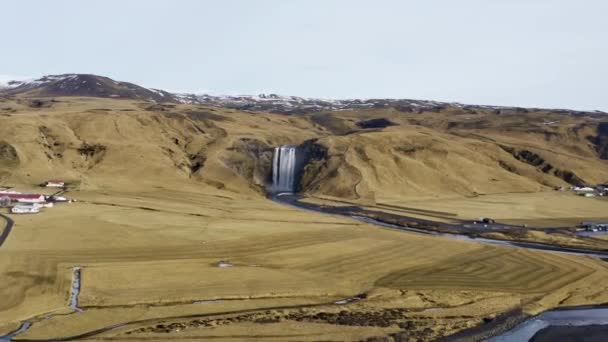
54, 184
25, 209
29, 198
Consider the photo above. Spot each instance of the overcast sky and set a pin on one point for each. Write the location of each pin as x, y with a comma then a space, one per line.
544, 53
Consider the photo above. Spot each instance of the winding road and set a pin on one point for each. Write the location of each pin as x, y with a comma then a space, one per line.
7, 228
461, 228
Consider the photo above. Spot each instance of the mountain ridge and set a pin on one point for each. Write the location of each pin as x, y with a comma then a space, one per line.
89, 85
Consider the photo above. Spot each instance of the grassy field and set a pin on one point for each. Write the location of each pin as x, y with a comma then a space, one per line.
543, 209
149, 255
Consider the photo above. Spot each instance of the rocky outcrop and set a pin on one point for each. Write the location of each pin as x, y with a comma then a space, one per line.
534, 159
316, 164
9, 159
8, 155
92, 154
600, 141
252, 160
329, 172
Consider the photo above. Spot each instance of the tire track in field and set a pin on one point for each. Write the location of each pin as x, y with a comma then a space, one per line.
512, 271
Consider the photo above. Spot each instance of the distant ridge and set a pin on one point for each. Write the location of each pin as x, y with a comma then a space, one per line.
88, 85
83, 85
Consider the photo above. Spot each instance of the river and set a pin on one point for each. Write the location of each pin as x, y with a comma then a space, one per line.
554, 318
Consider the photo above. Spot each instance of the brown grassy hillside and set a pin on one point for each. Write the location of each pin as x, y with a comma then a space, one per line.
106, 142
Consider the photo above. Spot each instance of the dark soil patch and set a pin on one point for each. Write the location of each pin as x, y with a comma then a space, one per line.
331, 123
376, 123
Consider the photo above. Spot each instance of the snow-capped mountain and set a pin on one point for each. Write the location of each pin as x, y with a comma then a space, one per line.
99, 86
294, 105
83, 85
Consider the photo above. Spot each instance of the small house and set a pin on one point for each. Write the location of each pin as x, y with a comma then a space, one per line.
583, 189
25, 209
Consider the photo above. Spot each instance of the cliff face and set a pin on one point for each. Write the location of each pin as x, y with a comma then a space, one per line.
601, 140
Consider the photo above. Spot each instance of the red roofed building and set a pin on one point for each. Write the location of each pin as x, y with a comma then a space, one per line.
26, 198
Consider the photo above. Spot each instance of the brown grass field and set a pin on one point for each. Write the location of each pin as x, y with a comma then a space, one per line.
155, 262
151, 225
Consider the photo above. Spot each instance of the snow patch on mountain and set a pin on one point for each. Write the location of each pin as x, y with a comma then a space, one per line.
158, 91
34, 82
11, 81
99, 86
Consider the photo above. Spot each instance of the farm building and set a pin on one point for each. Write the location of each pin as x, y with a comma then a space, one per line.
26, 198
25, 209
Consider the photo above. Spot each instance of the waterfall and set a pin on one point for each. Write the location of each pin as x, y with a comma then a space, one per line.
284, 169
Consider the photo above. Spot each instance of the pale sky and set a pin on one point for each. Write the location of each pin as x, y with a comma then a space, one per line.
542, 53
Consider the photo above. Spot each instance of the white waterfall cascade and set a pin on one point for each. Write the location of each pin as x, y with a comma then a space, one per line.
283, 169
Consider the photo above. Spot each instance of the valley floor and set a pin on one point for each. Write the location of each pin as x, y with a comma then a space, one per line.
200, 262
547, 209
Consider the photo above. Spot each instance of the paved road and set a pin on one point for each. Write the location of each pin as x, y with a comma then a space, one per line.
7, 228
461, 230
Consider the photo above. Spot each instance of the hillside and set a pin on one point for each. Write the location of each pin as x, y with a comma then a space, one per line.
362, 153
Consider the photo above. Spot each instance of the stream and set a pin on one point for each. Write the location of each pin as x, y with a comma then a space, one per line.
23, 328
73, 304
75, 292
